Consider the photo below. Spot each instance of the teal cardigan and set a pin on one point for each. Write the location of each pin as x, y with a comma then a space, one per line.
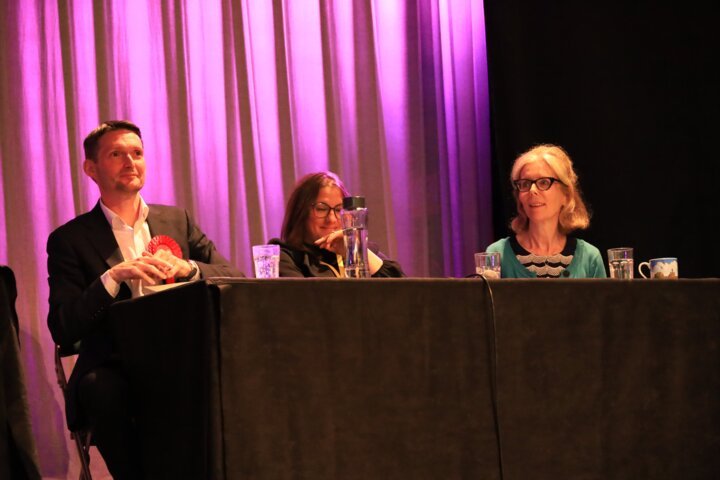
586, 263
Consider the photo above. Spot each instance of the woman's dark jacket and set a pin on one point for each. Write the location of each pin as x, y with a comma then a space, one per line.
318, 262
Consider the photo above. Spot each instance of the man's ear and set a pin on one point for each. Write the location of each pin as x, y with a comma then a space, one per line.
90, 169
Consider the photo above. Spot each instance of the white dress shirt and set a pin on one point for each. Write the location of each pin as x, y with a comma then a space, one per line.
132, 240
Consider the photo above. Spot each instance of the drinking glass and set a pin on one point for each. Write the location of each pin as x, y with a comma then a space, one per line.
620, 261
267, 261
488, 264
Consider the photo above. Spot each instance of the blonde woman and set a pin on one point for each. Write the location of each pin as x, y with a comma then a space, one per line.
549, 208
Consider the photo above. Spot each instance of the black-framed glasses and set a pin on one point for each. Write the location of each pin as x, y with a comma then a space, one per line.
542, 183
322, 209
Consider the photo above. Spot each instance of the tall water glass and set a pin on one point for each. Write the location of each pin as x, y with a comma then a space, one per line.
354, 216
620, 261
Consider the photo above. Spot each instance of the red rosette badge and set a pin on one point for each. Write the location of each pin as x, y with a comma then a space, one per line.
163, 242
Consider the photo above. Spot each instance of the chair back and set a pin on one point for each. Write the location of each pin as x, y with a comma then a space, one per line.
81, 438
60, 353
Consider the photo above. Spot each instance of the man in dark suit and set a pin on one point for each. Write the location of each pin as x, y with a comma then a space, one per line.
101, 257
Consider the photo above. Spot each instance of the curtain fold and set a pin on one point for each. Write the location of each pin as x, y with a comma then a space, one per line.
236, 100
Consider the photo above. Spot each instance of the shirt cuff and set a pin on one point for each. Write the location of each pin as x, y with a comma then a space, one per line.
112, 287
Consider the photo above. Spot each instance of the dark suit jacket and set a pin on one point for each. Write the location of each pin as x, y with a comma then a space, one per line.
79, 252
18, 455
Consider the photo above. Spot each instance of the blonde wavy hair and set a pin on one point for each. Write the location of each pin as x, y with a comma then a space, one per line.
574, 214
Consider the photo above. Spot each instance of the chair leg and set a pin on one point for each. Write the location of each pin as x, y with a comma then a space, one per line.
82, 443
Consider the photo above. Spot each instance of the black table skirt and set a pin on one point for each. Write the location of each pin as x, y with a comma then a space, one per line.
427, 378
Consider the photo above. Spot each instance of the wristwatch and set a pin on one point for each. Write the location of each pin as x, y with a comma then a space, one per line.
191, 275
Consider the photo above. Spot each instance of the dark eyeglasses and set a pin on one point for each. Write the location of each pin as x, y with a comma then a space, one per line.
542, 183
322, 210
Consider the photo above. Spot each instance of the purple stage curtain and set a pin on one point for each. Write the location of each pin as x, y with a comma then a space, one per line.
236, 100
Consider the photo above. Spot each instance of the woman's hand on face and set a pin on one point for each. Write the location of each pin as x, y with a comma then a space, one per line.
333, 241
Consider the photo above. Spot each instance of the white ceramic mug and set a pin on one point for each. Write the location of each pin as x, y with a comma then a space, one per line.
660, 268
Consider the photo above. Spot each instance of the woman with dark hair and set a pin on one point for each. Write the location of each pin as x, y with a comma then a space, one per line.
312, 244
549, 208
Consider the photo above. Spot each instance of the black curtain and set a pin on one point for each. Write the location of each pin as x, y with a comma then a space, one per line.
631, 93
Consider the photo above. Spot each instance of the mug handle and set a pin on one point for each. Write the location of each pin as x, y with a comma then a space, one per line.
647, 264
